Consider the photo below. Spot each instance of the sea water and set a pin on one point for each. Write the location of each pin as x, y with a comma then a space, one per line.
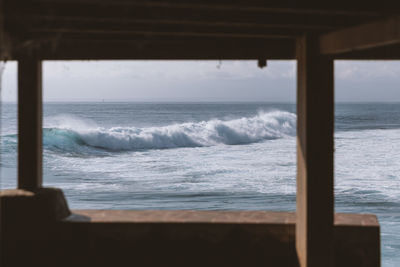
211, 156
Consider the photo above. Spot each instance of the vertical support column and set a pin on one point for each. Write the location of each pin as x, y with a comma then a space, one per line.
29, 123
4, 42
315, 126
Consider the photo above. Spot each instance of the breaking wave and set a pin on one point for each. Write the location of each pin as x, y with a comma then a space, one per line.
263, 126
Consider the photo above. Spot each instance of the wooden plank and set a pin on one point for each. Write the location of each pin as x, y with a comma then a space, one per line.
315, 119
363, 37
29, 123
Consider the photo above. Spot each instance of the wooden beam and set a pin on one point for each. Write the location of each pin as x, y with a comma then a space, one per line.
338, 7
315, 118
29, 123
281, 22
390, 52
129, 34
76, 47
363, 37
124, 12
187, 48
168, 27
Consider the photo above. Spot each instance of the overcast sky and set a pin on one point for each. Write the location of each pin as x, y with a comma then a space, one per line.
202, 81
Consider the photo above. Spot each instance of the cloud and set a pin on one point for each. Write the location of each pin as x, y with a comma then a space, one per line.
370, 70
228, 79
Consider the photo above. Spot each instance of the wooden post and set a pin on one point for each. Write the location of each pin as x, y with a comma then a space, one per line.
4, 43
29, 123
315, 111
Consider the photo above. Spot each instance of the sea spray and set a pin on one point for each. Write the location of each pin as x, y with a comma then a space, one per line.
74, 135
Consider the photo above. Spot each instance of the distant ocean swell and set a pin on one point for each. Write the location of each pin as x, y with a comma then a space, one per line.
263, 126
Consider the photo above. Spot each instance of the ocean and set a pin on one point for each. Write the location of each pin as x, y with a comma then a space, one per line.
211, 156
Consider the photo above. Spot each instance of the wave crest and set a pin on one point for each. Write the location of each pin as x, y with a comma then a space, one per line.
263, 126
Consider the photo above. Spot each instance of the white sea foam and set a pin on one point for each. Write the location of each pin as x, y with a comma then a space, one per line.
71, 133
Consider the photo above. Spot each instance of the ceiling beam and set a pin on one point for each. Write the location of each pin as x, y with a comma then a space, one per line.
224, 49
292, 22
54, 11
131, 34
391, 52
364, 37
338, 7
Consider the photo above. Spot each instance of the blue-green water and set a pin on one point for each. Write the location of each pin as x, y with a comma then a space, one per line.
211, 156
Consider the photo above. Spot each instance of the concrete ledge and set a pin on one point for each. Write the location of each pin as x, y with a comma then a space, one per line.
214, 238
193, 216
38, 204
28, 224
37, 229
182, 216
184, 238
